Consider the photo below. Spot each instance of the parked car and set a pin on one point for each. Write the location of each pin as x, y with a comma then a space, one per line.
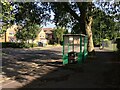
42, 43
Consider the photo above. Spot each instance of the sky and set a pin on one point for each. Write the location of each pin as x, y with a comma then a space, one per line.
49, 25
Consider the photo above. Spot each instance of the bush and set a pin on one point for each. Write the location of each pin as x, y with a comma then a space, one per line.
17, 45
35, 45
10, 44
25, 45
61, 42
55, 44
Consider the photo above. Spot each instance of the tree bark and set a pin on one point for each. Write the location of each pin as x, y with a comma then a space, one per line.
89, 33
85, 23
85, 26
5, 37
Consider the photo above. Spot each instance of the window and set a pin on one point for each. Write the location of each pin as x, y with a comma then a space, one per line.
11, 33
42, 36
11, 39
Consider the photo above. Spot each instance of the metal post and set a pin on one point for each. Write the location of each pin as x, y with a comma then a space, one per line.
85, 48
63, 45
80, 53
73, 43
68, 45
80, 43
65, 56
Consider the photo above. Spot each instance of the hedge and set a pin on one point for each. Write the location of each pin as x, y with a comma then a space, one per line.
118, 43
17, 45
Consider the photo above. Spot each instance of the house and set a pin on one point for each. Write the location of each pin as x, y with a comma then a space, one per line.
45, 35
41, 37
10, 34
49, 34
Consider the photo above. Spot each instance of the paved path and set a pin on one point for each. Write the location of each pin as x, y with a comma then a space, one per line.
87, 75
17, 63
94, 73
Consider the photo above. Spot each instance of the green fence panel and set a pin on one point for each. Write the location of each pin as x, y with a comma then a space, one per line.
65, 59
85, 48
80, 54
80, 57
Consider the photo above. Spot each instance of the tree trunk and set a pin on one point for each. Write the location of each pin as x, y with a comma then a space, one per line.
85, 26
83, 21
32, 42
89, 33
5, 37
58, 41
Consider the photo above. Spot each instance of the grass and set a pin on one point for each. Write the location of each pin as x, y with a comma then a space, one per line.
112, 47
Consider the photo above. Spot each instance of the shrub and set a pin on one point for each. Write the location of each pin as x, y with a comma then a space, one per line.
32, 45
55, 44
61, 42
25, 45
10, 45
17, 45
118, 43
35, 45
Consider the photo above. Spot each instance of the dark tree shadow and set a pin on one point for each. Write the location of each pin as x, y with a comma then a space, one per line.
17, 64
104, 63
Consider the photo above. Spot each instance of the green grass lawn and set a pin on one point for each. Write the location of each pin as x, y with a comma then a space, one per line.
112, 47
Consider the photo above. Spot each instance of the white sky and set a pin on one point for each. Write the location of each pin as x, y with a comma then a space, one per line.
49, 25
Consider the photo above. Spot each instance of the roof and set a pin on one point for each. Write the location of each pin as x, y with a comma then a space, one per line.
47, 30
74, 35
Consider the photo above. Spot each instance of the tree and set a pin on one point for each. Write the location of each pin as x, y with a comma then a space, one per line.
58, 33
28, 32
104, 27
33, 31
78, 16
29, 15
6, 17
30, 12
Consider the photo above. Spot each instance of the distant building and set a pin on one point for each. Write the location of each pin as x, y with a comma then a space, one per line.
41, 36
49, 34
45, 34
10, 34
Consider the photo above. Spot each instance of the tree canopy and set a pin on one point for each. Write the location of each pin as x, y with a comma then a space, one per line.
58, 33
28, 32
80, 15
77, 15
6, 16
104, 27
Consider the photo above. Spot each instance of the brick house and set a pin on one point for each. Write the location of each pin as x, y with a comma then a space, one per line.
44, 34
10, 34
49, 34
